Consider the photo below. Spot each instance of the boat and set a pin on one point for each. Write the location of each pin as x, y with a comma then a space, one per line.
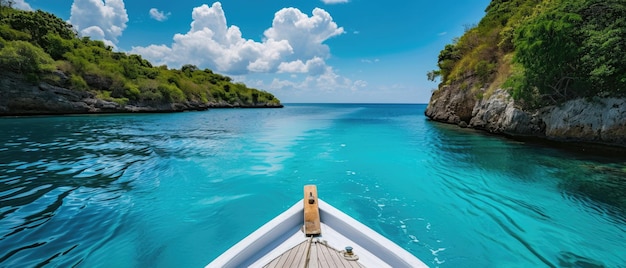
312, 233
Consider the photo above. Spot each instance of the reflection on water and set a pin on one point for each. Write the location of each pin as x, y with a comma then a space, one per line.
176, 190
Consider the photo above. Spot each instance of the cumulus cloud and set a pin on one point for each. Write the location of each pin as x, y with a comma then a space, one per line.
314, 66
100, 19
305, 34
294, 43
21, 4
159, 15
330, 2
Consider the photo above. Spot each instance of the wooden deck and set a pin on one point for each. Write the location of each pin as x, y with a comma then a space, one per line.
320, 256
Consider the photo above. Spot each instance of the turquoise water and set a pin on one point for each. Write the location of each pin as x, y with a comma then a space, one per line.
176, 190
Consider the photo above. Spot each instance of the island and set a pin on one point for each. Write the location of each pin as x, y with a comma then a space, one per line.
46, 68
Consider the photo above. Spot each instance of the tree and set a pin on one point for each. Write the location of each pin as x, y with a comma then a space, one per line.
38, 24
57, 46
188, 69
447, 59
433, 75
548, 48
573, 49
603, 54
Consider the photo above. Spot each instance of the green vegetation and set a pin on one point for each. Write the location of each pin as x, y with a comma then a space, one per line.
544, 52
45, 48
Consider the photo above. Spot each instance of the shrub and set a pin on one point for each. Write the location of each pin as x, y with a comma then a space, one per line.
192, 90
132, 91
78, 83
56, 46
120, 101
484, 70
10, 34
23, 57
151, 95
171, 92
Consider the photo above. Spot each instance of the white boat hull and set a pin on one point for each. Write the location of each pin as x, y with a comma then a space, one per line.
338, 231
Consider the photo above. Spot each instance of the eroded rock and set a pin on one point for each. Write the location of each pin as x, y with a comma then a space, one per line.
601, 120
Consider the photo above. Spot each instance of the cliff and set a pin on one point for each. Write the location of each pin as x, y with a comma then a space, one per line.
551, 69
597, 120
18, 96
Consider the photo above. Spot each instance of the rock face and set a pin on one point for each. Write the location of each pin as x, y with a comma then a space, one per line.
601, 120
19, 97
451, 105
498, 114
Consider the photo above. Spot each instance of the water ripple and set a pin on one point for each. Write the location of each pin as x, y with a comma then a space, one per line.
175, 190
57, 193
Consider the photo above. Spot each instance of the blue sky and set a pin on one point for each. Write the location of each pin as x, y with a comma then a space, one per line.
301, 51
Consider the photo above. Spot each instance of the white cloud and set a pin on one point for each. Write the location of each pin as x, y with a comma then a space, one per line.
21, 4
101, 19
330, 2
305, 34
327, 81
294, 43
442, 33
360, 84
315, 66
156, 53
292, 67
159, 15
282, 84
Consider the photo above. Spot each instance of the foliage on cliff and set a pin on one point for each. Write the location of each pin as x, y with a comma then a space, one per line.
43, 47
544, 52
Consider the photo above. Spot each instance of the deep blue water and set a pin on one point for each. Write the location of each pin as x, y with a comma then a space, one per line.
176, 190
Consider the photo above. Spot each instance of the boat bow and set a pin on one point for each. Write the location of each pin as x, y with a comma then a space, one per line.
338, 231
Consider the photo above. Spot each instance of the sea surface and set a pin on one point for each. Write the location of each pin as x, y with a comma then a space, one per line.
176, 190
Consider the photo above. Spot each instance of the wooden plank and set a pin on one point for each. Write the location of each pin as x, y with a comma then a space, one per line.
284, 257
294, 257
334, 258
311, 211
325, 257
300, 259
314, 261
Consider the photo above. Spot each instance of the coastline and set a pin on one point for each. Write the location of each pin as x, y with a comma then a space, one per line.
19, 97
596, 121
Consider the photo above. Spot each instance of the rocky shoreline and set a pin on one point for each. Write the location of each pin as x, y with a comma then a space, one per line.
596, 121
20, 98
